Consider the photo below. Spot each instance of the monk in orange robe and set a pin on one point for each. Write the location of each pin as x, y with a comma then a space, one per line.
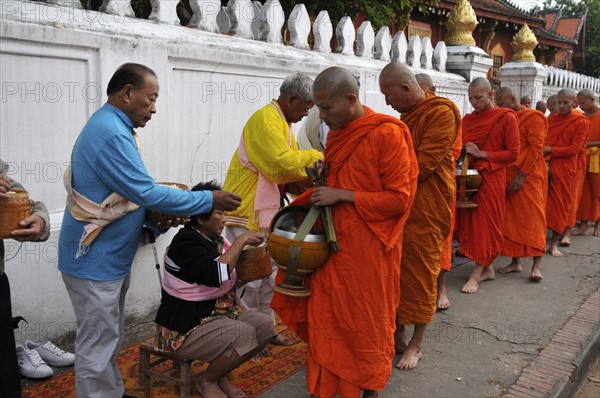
434, 123
524, 224
567, 132
491, 137
551, 104
442, 302
589, 204
350, 315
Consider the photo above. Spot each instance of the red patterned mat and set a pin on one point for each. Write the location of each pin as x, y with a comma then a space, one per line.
254, 377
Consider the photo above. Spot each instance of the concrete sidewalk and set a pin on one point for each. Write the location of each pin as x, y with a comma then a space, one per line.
513, 337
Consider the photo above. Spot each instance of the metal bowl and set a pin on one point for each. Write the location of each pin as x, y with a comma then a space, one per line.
470, 172
288, 232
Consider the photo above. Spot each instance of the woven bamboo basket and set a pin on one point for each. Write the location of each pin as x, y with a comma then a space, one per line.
164, 218
12, 211
254, 264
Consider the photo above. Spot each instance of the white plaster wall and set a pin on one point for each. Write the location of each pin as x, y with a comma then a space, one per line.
55, 64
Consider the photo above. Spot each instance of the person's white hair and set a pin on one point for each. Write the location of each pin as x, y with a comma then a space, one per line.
298, 84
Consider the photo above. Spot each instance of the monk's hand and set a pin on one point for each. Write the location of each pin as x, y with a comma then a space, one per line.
226, 201
473, 150
517, 182
325, 196
31, 229
4, 187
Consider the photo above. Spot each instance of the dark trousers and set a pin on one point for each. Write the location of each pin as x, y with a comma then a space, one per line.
10, 380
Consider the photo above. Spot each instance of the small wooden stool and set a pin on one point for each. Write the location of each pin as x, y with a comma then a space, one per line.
183, 368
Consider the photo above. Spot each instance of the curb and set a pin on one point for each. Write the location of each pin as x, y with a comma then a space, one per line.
560, 368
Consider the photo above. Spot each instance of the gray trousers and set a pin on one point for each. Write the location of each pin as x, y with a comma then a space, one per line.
99, 309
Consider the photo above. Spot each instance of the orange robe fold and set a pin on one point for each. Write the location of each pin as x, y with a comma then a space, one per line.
524, 224
495, 131
589, 204
446, 259
566, 136
434, 124
350, 315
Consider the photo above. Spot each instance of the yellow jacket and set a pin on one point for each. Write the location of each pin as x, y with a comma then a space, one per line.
266, 139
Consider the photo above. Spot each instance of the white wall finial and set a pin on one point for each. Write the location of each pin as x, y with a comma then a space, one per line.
365, 41
299, 27
164, 11
255, 24
345, 35
427, 53
383, 44
223, 21
413, 55
399, 47
440, 55
241, 14
205, 14
323, 32
118, 7
272, 19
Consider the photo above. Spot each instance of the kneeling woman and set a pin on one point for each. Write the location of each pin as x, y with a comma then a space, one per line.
198, 317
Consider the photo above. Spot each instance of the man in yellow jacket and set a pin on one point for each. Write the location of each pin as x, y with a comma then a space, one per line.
267, 158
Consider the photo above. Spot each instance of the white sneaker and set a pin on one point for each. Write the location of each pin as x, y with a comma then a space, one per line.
51, 354
31, 365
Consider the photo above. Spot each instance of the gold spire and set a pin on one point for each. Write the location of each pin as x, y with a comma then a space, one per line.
523, 44
461, 24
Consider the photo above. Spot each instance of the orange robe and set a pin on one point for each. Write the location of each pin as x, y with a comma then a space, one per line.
524, 225
589, 205
350, 316
446, 259
495, 131
566, 137
434, 124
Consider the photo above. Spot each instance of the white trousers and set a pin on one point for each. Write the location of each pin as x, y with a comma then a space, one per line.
255, 295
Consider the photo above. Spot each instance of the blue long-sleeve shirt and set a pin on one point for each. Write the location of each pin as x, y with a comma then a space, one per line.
105, 159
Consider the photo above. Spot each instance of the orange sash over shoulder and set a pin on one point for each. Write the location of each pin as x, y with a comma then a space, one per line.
350, 327
566, 137
524, 225
589, 205
479, 230
434, 124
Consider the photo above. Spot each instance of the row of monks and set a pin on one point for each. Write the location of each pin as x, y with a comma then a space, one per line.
537, 173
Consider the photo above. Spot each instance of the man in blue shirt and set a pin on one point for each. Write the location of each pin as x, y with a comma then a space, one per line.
109, 191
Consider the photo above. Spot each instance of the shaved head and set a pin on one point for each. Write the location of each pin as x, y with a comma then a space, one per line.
567, 92
541, 106
587, 102
425, 81
586, 93
505, 98
526, 101
400, 87
335, 92
551, 104
481, 82
338, 81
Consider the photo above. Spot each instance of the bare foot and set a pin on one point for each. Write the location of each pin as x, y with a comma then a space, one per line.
555, 252
487, 274
370, 394
409, 359
280, 340
266, 352
512, 267
565, 241
442, 303
229, 389
597, 229
471, 286
582, 230
209, 388
400, 341
536, 274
